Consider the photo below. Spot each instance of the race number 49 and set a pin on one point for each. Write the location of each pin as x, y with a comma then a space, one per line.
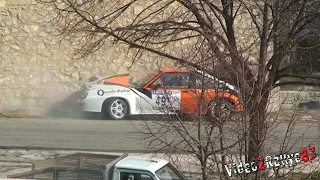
166, 99
162, 101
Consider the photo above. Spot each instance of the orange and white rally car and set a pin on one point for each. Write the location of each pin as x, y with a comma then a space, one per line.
159, 92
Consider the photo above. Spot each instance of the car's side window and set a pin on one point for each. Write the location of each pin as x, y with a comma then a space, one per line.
134, 176
172, 80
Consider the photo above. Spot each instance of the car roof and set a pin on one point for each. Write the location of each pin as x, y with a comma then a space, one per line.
140, 163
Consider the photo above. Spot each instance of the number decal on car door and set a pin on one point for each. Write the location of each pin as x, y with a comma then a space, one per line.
168, 99
162, 101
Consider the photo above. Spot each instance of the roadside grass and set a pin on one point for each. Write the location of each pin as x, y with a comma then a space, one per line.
299, 115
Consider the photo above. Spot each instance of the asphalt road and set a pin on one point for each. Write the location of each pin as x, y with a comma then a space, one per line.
114, 136
64, 134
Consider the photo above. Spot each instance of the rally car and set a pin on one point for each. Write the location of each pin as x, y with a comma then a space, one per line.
159, 92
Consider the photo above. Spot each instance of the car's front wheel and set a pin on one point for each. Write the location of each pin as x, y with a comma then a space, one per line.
116, 108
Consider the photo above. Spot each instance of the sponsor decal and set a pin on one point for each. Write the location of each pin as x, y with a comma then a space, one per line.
101, 92
263, 163
166, 92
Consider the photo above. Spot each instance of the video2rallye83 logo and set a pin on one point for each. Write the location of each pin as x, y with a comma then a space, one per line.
281, 161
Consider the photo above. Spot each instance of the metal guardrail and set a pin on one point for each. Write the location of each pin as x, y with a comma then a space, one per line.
78, 160
62, 173
79, 166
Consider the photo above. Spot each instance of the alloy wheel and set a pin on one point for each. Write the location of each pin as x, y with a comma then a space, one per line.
119, 108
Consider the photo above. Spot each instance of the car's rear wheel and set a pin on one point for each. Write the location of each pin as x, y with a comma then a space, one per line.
221, 109
116, 108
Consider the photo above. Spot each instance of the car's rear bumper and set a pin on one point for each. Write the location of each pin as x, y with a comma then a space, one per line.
91, 104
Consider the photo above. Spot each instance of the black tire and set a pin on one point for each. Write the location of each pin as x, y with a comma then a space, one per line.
221, 109
116, 108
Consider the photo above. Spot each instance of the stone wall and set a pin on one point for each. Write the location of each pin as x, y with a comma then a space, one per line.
38, 74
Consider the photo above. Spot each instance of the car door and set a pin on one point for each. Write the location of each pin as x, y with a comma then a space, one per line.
171, 92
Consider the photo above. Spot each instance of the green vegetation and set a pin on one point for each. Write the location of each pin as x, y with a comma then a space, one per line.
295, 87
299, 88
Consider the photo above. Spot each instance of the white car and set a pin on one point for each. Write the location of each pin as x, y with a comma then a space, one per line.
159, 92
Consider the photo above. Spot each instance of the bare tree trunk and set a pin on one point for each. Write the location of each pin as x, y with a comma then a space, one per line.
257, 125
221, 140
203, 170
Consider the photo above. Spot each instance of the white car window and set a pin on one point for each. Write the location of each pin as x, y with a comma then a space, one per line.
167, 173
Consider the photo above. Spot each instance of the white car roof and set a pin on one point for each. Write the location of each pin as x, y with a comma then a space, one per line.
140, 163
220, 81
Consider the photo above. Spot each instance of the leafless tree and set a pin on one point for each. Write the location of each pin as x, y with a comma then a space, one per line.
246, 43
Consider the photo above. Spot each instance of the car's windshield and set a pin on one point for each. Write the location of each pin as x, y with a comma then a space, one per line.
168, 172
140, 79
